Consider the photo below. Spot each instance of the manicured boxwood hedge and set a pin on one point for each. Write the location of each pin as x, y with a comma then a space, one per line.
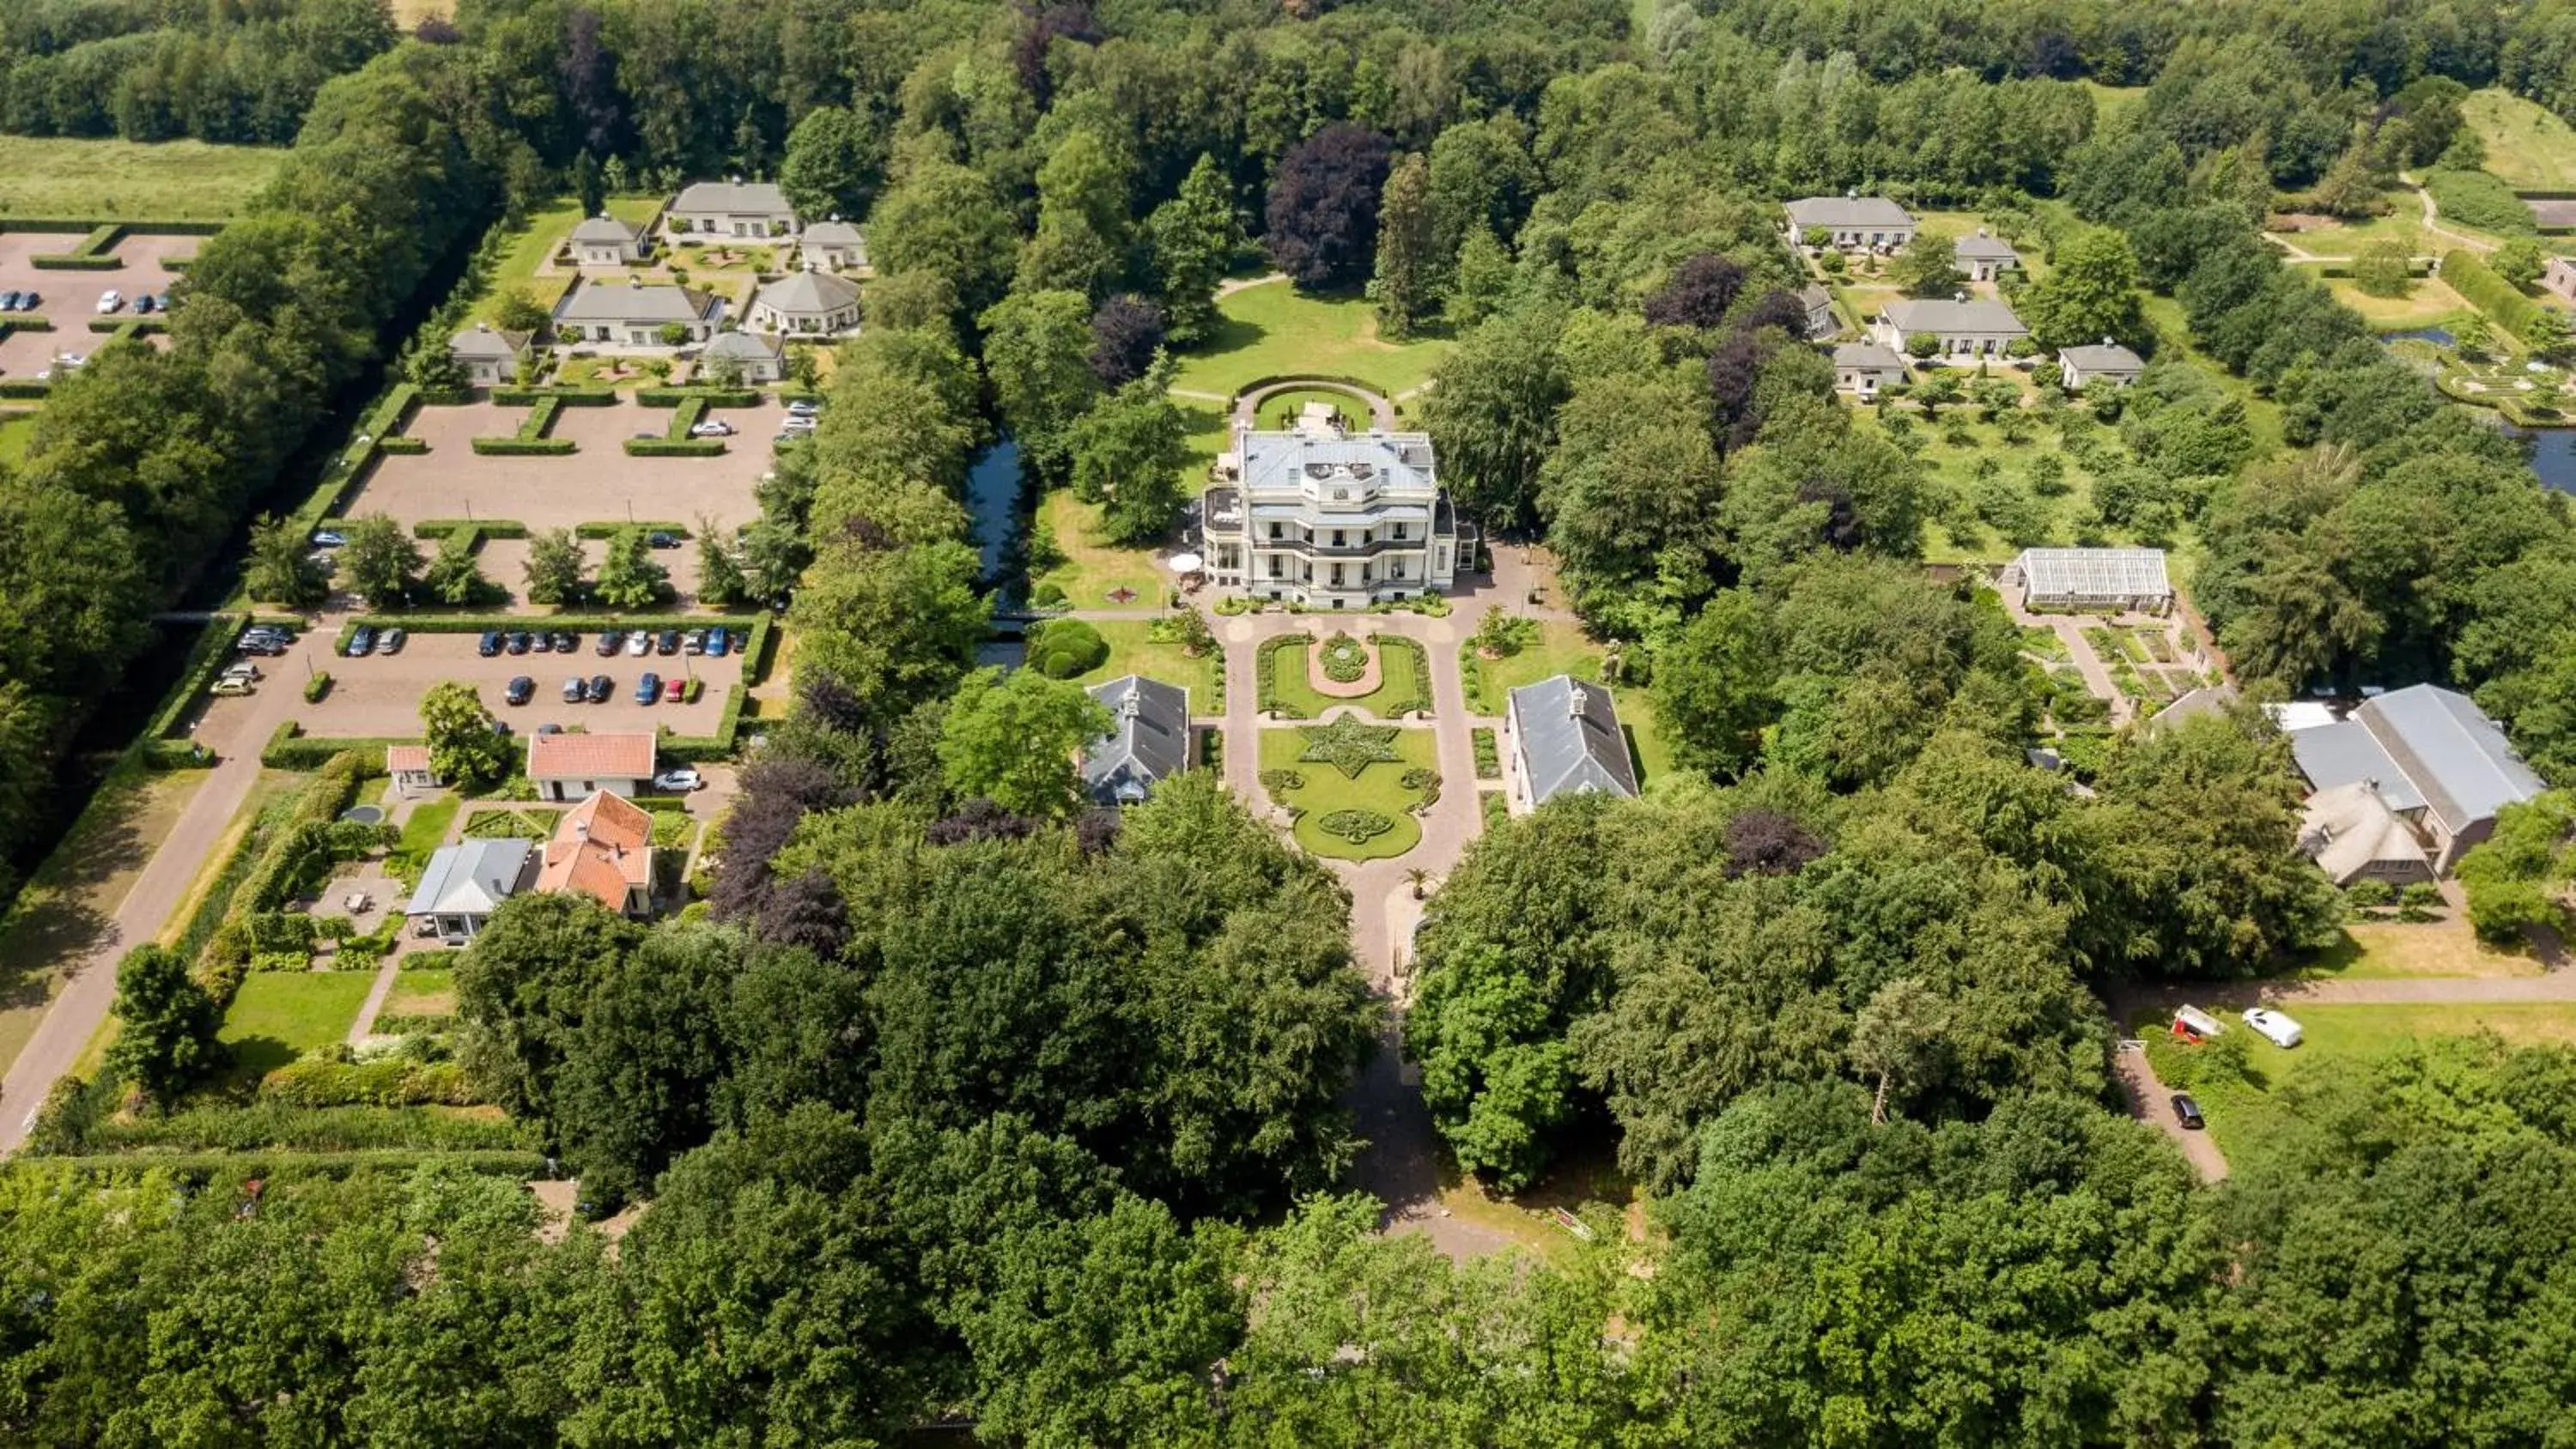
488, 527
611, 529
24, 387
205, 660
525, 447
403, 444
570, 397
2489, 293
714, 397
674, 447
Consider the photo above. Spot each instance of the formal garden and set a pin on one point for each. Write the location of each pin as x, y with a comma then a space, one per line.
1285, 674
1352, 788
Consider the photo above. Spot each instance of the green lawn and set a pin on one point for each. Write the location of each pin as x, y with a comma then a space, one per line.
2366, 950
537, 239
1279, 413
78, 179
2429, 302
278, 1015
17, 429
422, 835
2245, 1115
1397, 681
429, 991
2404, 225
1133, 650
2528, 147
1380, 787
1273, 330
1094, 568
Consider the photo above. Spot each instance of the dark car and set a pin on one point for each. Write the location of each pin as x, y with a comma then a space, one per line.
659, 539
694, 641
550, 728
490, 645
362, 640
575, 690
669, 643
608, 644
566, 641
2187, 1111
541, 643
30, 301
601, 686
649, 688
519, 642
718, 641
518, 690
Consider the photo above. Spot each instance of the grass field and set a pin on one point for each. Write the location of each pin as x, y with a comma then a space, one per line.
1562, 649
1094, 568
278, 1015
2112, 102
1396, 682
534, 242
2428, 302
2246, 1115
74, 894
1274, 330
17, 429
429, 991
422, 834
2385, 949
2528, 147
2262, 415
1132, 650
79, 179
1380, 787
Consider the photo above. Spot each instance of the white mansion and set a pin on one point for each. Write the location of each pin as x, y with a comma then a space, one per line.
1329, 519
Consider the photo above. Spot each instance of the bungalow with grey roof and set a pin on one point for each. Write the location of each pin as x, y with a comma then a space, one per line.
634, 314
1986, 256
2433, 758
465, 883
834, 246
1821, 321
1852, 223
1964, 329
2081, 366
490, 356
749, 357
1148, 742
1562, 737
1862, 368
731, 209
604, 241
807, 304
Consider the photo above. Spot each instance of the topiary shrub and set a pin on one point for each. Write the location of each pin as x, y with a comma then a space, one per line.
1428, 782
1345, 659
1280, 782
1359, 827
1063, 648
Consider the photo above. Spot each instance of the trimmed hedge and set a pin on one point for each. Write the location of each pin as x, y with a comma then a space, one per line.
24, 387
388, 1082
699, 749
752, 625
402, 444
714, 397
525, 447
289, 749
611, 530
205, 661
2489, 293
61, 263
269, 1163
25, 324
674, 447
488, 527
570, 397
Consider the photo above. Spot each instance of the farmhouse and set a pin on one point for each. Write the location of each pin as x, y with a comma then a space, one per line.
1965, 329
603, 849
570, 767
604, 241
807, 304
1562, 737
2434, 760
2063, 580
465, 883
1329, 519
1855, 223
732, 209
1148, 740
490, 356
751, 357
1821, 321
1862, 368
1985, 256
834, 246
2108, 361
635, 314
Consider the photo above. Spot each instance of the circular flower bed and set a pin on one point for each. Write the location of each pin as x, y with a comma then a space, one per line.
1345, 659
1356, 826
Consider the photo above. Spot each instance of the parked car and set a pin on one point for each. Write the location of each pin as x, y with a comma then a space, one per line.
566, 641
574, 690
146, 304
694, 642
324, 560
362, 641
30, 301
233, 685
242, 669
329, 538
669, 643
542, 642
712, 428
662, 538
550, 727
797, 425
490, 643
2274, 1027
648, 688
109, 301
2187, 1112
392, 642
609, 640
9, 301
519, 642
719, 641
674, 689
266, 644
519, 690
678, 782
804, 407
599, 688
638, 644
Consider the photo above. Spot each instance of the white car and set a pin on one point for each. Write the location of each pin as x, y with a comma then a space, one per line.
242, 669
712, 428
678, 782
638, 644
329, 538
2273, 1027
232, 684
803, 408
110, 301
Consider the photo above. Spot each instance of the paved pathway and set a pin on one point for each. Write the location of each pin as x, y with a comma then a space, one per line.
2151, 1103
163, 886
2433, 225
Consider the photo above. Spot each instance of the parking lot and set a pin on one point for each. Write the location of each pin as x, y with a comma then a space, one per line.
69, 296
379, 694
505, 562
598, 484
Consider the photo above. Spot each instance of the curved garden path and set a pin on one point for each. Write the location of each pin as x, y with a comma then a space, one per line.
1247, 405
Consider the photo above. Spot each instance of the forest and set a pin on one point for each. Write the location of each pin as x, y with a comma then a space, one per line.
957, 1103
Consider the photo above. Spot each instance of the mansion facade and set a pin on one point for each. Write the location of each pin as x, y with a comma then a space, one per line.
1330, 519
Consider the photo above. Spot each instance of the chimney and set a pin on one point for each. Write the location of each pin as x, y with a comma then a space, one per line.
1575, 700
1132, 706
2106, 341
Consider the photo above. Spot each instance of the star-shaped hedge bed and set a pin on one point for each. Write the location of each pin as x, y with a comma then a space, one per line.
1348, 745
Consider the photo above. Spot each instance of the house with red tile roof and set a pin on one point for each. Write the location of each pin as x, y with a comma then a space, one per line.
602, 848
571, 766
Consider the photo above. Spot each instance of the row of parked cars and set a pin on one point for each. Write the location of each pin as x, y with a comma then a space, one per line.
651, 689
15, 301
145, 303
242, 676
718, 642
